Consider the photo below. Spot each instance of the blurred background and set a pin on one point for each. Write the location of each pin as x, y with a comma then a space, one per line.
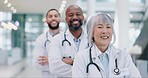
22, 21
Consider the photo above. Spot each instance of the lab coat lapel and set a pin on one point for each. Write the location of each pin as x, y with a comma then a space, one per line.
69, 37
47, 36
96, 59
84, 41
112, 57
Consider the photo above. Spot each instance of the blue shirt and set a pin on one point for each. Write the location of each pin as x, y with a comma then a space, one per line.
104, 58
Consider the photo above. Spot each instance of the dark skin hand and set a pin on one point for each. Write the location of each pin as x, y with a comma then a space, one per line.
67, 60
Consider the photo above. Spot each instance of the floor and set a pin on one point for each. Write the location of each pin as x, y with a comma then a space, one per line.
22, 69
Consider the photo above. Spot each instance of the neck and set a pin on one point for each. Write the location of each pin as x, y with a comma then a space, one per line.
102, 48
76, 33
56, 31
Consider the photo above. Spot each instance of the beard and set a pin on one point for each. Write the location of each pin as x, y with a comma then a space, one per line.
53, 27
72, 27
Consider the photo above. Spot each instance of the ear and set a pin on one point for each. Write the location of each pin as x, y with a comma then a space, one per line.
45, 21
83, 17
65, 19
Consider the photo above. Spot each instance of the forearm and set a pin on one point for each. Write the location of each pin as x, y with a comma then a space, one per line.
58, 67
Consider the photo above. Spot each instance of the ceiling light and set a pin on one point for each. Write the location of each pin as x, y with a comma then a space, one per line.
3, 24
29, 19
6, 1
12, 8
14, 11
9, 5
44, 19
131, 16
61, 9
62, 5
17, 23
64, 2
12, 26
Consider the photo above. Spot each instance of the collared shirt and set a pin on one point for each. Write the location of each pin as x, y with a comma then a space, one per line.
78, 41
104, 58
53, 34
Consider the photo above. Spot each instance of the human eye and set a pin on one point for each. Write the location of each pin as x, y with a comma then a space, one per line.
70, 15
56, 16
78, 14
109, 26
50, 16
99, 26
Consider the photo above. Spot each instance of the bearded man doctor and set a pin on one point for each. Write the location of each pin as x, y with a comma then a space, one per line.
102, 59
65, 45
40, 54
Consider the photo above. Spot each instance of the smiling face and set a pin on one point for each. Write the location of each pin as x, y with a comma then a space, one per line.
53, 19
74, 17
102, 33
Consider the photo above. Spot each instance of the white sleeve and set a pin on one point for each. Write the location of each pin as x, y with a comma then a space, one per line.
79, 67
133, 71
39, 50
56, 65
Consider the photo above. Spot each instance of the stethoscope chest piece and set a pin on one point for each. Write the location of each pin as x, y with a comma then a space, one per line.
117, 71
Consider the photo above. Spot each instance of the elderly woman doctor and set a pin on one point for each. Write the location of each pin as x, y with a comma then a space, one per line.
102, 59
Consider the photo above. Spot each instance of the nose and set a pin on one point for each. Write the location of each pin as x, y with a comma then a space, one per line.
53, 18
75, 17
104, 31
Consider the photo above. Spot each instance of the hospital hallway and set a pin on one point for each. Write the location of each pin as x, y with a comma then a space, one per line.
22, 21
22, 69
29, 71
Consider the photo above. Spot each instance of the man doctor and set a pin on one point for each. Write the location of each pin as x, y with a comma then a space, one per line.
40, 54
102, 59
64, 46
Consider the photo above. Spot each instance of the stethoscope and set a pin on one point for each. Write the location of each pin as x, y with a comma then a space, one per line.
116, 70
65, 40
47, 40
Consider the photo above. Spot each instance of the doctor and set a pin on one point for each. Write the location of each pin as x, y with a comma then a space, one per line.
40, 54
102, 59
64, 46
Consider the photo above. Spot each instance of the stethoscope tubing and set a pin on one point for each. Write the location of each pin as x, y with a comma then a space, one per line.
65, 40
116, 70
92, 63
47, 40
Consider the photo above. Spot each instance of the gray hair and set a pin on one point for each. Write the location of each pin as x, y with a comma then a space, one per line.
92, 21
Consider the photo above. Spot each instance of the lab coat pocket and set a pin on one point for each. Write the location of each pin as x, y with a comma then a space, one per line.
124, 73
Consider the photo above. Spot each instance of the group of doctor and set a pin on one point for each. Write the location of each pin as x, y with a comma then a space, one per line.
80, 52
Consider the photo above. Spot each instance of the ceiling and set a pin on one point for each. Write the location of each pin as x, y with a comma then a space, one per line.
33, 6
42, 6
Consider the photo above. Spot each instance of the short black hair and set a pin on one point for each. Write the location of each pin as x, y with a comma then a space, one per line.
52, 10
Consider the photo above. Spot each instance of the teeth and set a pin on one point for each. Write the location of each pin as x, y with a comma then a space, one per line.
53, 21
105, 37
75, 22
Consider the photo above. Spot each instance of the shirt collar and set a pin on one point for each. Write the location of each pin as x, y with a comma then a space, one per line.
81, 36
99, 53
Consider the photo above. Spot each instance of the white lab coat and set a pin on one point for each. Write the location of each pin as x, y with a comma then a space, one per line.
124, 62
57, 52
41, 50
